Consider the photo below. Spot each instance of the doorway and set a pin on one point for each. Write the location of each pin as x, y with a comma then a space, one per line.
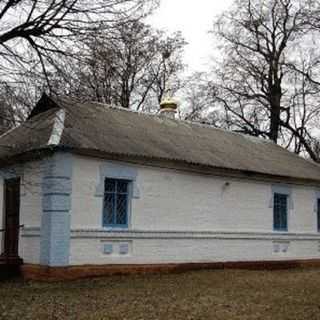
11, 219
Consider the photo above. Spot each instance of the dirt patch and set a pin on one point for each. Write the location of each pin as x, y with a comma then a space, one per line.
216, 294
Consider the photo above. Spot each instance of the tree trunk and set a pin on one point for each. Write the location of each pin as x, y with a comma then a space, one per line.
275, 103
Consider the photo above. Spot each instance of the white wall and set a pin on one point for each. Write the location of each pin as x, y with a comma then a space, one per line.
189, 250
184, 217
30, 209
30, 212
178, 217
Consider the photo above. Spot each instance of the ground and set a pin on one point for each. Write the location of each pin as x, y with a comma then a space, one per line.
216, 294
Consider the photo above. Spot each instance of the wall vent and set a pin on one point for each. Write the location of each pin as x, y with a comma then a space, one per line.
281, 247
116, 248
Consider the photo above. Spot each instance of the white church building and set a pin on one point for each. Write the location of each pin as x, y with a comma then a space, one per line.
88, 189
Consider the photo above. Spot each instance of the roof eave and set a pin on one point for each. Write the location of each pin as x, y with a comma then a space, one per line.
180, 165
194, 167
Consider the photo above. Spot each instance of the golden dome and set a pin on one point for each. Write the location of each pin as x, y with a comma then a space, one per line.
169, 104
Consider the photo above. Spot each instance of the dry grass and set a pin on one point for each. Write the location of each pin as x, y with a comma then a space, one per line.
223, 294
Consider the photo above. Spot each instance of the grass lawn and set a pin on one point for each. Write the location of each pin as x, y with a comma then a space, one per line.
216, 294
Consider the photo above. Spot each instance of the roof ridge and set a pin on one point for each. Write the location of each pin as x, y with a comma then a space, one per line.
57, 128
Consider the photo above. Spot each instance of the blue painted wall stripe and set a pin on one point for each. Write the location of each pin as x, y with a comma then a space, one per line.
56, 209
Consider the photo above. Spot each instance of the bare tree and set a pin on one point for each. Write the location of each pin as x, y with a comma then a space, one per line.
197, 99
133, 69
255, 83
40, 41
166, 71
34, 33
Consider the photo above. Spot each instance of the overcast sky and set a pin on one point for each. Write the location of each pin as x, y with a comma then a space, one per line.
193, 19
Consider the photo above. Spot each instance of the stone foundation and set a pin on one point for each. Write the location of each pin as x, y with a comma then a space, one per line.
43, 273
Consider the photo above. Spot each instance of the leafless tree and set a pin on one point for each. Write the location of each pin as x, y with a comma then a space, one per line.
34, 32
133, 69
262, 81
41, 38
166, 71
197, 103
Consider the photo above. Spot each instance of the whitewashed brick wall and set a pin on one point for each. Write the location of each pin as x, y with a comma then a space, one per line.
30, 210
178, 217
185, 217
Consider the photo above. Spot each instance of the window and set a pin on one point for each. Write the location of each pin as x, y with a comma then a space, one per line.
318, 214
280, 212
115, 207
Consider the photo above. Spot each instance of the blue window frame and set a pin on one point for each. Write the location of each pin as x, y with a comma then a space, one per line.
115, 204
280, 212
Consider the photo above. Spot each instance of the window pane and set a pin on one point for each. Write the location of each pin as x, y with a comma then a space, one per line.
277, 222
280, 210
109, 209
110, 185
122, 186
121, 214
284, 215
115, 203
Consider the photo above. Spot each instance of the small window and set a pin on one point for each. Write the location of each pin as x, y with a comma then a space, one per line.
115, 209
280, 212
318, 214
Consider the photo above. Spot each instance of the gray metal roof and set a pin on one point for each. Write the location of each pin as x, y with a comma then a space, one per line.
93, 126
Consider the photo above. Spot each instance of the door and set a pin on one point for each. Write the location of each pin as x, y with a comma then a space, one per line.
11, 216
